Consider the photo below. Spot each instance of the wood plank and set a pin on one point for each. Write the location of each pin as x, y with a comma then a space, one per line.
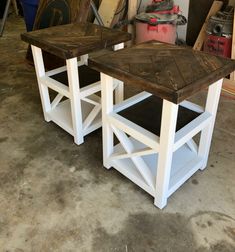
132, 11
119, 13
52, 13
197, 13
73, 40
168, 71
232, 75
216, 6
107, 11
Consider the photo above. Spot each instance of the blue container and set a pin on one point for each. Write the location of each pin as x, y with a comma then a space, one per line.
30, 9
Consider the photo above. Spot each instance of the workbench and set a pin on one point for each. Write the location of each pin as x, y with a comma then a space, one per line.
76, 108
155, 130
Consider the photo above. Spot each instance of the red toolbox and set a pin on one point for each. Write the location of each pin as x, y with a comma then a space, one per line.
220, 46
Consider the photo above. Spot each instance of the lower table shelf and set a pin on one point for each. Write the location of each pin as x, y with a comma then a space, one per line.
184, 164
61, 115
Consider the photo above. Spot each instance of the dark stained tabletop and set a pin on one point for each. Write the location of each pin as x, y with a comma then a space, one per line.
168, 71
72, 40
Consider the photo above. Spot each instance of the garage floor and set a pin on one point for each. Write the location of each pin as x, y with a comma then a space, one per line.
56, 196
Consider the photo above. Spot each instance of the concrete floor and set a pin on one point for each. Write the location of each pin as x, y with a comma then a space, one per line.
56, 196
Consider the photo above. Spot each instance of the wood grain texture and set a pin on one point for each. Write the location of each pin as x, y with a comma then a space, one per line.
119, 13
132, 11
107, 11
73, 40
216, 6
60, 12
197, 13
168, 71
232, 75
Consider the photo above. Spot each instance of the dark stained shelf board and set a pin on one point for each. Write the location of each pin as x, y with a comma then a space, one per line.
87, 76
148, 115
168, 71
73, 40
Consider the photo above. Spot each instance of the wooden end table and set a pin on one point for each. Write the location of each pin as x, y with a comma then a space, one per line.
80, 113
156, 128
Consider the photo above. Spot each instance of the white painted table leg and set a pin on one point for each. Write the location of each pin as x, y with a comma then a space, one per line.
118, 46
119, 91
75, 101
40, 72
84, 59
211, 107
107, 107
167, 136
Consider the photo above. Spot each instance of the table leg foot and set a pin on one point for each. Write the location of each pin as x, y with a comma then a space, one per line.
160, 202
79, 140
107, 166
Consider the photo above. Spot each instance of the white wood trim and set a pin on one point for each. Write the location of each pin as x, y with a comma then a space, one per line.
61, 115
135, 131
90, 89
83, 60
190, 130
211, 107
123, 169
182, 176
107, 108
55, 85
138, 161
94, 126
192, 106
56, 71
93, 99
40, 72
119, 89
167, 136
118, 47
192, 145
143, 152
56, 101
90, 118
131, 101
75, 101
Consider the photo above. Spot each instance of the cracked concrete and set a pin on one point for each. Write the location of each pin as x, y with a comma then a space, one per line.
56, 196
